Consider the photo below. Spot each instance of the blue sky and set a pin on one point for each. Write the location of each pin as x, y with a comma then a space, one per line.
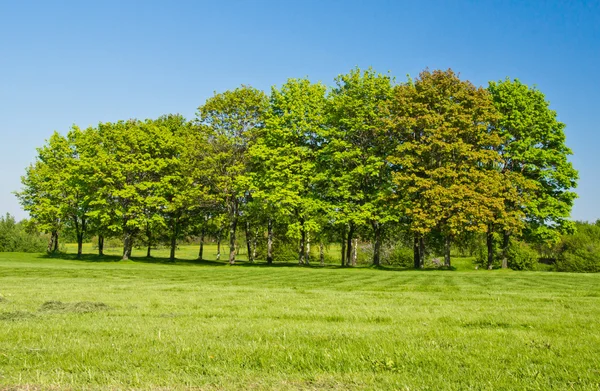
80, 62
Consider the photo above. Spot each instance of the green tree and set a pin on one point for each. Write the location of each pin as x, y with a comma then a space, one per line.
286, 161
227, 126
43, 188
444, 163
534, 148
355, 154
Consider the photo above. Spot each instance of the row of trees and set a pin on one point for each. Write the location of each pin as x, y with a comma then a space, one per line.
367, 158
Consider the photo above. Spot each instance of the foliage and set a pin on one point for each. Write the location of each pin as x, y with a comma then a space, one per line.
20, 237
580, 251
435, 161
534, 146
521, 256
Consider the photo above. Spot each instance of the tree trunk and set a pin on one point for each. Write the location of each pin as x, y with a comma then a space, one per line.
349, 245
232, 229
51, 242
505, 244
447, 245
100, 245
249, 242
219, 244
173, 247
201, 250
416, 252
355, 252
55, 249
322, 253
149, 244
270, 242
377, 244
490, 247
79, 245
127, 239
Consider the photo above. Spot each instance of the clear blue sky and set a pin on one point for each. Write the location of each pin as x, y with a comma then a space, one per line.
82, 62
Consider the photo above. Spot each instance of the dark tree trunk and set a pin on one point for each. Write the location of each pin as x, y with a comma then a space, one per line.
447, 245
377, 244
249, 242
201, 250
349, 244
55, 249
79, 245
232, 230
149, 244
100, 245
322, 253
270, 242
505, 244
490, 247
173, 248
174, 235
416, 252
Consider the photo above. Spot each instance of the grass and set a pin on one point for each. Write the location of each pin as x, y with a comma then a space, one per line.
101, 324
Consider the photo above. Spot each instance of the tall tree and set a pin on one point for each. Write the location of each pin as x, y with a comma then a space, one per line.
227, 126
445, 159
41, 194
356, 155
286, 160
534, 148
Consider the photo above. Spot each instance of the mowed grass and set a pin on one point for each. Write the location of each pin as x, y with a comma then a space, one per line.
94, 324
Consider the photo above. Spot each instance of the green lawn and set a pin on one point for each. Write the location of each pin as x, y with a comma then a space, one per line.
91, 324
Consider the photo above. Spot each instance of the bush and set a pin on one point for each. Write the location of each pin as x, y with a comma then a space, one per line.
521, 256
20, 237
580, 252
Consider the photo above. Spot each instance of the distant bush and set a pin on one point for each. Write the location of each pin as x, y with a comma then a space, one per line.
401, 256
580, 252
521, 256
20, 237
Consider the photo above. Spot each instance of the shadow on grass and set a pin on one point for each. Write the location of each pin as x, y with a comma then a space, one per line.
95, 258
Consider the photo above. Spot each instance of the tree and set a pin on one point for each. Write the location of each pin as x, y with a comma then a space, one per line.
444, 163
227, 125
534, 149
355, 154
286, 156
42, 193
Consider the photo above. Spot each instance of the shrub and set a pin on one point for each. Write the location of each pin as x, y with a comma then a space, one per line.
580, 252
521, 256
20, 237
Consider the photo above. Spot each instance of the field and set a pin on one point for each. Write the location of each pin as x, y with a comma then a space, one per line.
102, 324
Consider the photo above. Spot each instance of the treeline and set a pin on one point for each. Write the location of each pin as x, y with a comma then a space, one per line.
21, 236
434, 159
